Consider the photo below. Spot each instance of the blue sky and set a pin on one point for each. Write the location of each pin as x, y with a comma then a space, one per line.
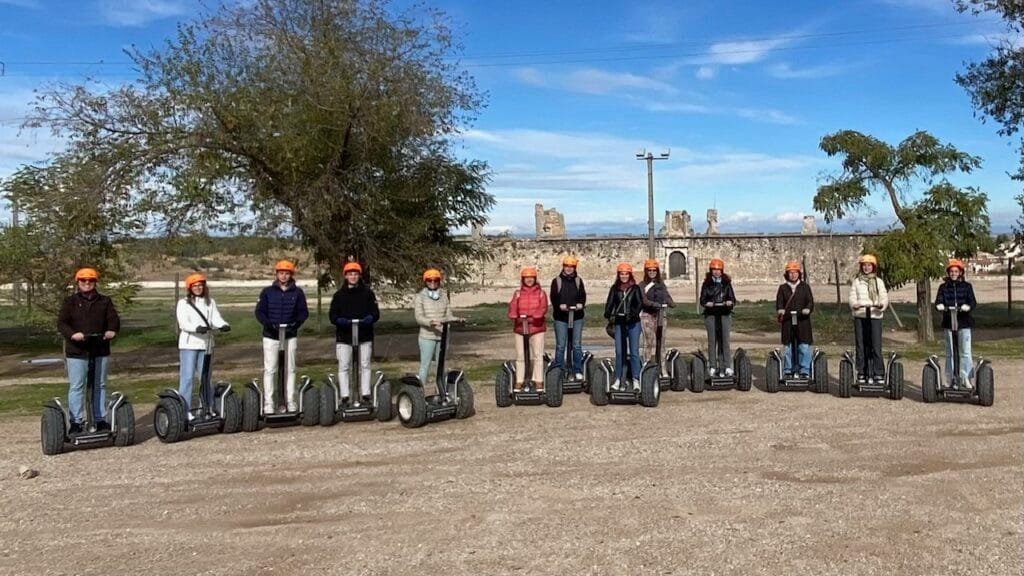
740, 91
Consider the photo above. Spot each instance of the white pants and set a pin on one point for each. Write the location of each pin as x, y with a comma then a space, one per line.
270, 367
344, 354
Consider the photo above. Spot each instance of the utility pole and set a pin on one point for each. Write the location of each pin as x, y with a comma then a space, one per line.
643, 154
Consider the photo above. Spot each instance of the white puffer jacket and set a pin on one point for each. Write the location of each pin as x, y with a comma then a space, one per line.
189, 321
859, 296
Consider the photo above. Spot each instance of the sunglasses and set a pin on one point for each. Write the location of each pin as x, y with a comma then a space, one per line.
83, 281
433, 280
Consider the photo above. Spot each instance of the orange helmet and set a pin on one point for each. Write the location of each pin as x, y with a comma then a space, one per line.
957, 263
86, 274
624, 267
528, 272
192, 279
570, 261
352, 267
431, 274
651, 264
284, 265
792, 265
868, 259
716, 264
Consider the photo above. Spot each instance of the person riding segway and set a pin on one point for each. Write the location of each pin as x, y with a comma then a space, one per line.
868, 301
568, 300
528, 380
716, 370
672, 371
794, 368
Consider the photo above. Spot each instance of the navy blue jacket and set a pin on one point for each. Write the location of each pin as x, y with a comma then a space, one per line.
953, 295
278, 306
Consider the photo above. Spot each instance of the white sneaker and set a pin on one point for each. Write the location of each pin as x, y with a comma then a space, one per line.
712, 372
636, 385
190, 416
728, 372
616, 385
268, 409
579, 375
293, 408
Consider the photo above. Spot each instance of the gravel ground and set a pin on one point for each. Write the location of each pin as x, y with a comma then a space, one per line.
717, 483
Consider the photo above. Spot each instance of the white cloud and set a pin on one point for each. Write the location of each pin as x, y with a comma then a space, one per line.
705, 72
528, 75
594, 81
789, 217
767, 115
685, 107
34, 4
140, 12
743, 51
17, 146
1016, 41
785, 71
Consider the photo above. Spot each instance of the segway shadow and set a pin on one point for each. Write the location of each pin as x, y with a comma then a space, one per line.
334, 408
504, 393
776, 380
984, 390
601, 391
55, 425
253, 414
454, 397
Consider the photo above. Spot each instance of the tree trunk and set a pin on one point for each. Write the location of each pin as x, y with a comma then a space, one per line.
925, 332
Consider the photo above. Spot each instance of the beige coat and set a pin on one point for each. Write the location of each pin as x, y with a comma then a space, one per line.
859, 296
427, 309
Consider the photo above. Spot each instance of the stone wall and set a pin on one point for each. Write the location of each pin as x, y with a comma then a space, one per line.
748, 257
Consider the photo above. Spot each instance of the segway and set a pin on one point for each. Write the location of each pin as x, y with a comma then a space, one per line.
891, 383
570, 384
678, 374
984, 392
253, 414
504, 393
217, 409
454, 398
601, 391
701, 378
56, 422
775, 380
334, 408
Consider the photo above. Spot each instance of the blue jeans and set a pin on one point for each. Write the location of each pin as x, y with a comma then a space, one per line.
78, 371
561, 336
966, 361
803, 352
430, 350
192, 369
633, 333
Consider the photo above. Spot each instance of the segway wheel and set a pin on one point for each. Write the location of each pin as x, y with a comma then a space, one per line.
412, 406
821, 374
464, 391
592, 370
311, 406
680, 374
845, 378
599, 388
327, 400
385, 411
168, 420
744, 378
232, 416
985, 381
771, 374
553, 387
697, 375
896, 381
650, 388
929, 384
125, 416
52, 431
503, 389
250, 410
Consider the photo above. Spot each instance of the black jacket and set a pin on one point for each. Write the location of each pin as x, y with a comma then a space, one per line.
717, 292
568, 295
953, 295
629, 302
354, 302
93, 314
654, 295
803, 299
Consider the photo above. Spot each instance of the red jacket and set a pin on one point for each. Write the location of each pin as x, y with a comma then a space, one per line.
532, 301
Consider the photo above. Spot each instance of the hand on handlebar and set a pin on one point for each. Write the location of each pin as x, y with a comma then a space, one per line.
225, 328
109, 335
965, 308
202, 329
806, 312
78, 337
940, 307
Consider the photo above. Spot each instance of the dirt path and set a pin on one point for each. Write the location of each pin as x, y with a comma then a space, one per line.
716, 483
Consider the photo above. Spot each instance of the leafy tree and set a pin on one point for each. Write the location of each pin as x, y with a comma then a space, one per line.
944, 221
334, 120
996, 85
1018, 230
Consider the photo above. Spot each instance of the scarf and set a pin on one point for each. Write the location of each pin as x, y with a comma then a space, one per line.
872, 281
793, 285
433, 294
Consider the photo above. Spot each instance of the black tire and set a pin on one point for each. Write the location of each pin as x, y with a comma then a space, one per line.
311, 406
553, 388
650, 388
250, 410
896, 381
821, 374
327, 399
697, 375
412, 406
929, 384
503, 389
680, 374
590, 373
599, 388
771, 374
845, 378
169, 420
744, 378
385, 410
232, 415
986, 383
52, 431
465, 407
125, 417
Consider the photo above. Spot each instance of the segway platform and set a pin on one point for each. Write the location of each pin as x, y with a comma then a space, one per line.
253, 414
983, 392
891, 385
602, 394
171, 421
701, 379
570, 384
332, 409
505, 395
776, 381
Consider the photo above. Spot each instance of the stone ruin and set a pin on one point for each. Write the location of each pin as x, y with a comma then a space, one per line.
550, 223
677, 223
712, 222
809, 226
